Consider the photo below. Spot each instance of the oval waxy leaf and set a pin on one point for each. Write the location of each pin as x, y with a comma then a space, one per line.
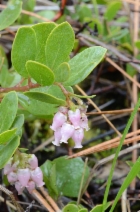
40, 73
24, 49
42, 31
8, 110
8, 151
83, 64
10, 14
43, 97
62, 72
59, 45
70, 208
6, 136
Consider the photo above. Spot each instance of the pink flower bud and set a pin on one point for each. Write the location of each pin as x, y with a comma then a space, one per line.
84, 122
19, 187
74, 117
30, 186
78, 136
37, 177
23, 176
67, 131
33, 161
58, 120
63, 110
12, 177
8, 168
57, 136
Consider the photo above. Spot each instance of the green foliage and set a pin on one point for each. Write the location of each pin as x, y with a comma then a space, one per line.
70, 208
24, 49
43, 97
8, 110
62, 72
10, 14
112, 9
8, 150
59, 45
82, 64
69, 183
42, 32
18, 123
37, 108
97, 208
40, 73
6, 136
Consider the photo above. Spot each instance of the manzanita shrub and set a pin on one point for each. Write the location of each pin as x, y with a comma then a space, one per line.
40, 84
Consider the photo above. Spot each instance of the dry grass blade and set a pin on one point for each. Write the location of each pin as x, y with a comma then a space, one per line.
129, 110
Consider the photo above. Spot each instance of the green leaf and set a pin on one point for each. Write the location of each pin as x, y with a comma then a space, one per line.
8, 150
131, 175
8, 110
18, 123
50, 178
9, 78
137, 44
112, 10
68, 175
40, 73
62, 72
59, 45
97, 208
6, 136
37, 108
83, 64
42, 31
83, 210
10, 14
43, 97
24, 49
70, 208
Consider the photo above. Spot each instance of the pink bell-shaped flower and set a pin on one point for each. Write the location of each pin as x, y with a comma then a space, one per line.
23, 176
84, 122
74, 117
57, 136
8, 168
78, 136
12, 177
58, 120
67, 131
19, 187
37, 177
33, 161
30, 186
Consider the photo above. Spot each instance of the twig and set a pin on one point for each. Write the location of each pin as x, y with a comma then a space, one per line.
10, 194
122, 71
45, 143
129, 110
95, 106
8, 203
124, 201
50, 200
30, 206
82, 181
18, 88
40, 199
60, 13
107, 145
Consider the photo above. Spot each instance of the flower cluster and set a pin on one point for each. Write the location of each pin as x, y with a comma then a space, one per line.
22, 171
70, 124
